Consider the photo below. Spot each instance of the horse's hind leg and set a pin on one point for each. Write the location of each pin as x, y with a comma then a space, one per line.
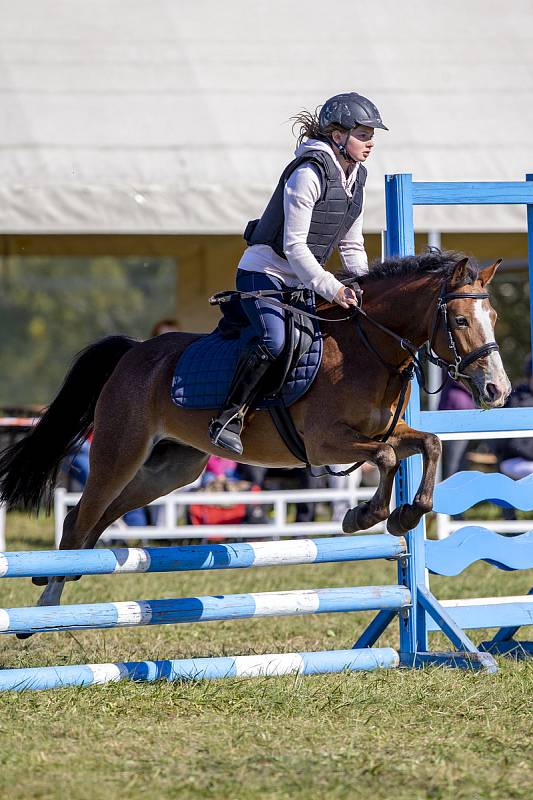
170, 466
54, 585
118, 451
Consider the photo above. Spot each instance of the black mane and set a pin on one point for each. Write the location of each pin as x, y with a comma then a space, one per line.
433, 262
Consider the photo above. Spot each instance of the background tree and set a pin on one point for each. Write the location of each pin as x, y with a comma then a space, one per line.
51, 309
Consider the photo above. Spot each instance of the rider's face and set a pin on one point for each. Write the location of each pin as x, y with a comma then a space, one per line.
360, 141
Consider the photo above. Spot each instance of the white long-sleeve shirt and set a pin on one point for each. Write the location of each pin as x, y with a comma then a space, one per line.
302, 192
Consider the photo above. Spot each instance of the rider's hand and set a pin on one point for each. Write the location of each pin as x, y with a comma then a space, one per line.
346, 297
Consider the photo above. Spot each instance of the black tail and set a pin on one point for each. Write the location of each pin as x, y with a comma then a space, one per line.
28, 469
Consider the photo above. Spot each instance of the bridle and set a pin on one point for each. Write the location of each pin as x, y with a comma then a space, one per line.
454, 368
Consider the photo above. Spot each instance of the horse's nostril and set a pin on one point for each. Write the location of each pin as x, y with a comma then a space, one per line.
492, 391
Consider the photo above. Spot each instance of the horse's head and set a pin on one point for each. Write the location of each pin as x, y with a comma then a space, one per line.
463, 334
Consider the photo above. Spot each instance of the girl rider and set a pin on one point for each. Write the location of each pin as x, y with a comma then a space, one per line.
317, 206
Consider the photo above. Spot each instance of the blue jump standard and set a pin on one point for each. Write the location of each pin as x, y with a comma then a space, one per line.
241, 555
200, 668
202, 609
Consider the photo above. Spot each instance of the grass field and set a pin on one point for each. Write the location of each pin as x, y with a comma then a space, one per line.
433, 733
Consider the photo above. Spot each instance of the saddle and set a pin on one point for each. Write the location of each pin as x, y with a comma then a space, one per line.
204, 372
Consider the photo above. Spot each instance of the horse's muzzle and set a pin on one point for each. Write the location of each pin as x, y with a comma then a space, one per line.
492, 394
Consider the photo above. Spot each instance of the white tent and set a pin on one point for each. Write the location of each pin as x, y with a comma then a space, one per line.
137, 116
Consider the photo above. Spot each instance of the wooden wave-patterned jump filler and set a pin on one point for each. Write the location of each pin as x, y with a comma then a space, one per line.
453, 555
464, 489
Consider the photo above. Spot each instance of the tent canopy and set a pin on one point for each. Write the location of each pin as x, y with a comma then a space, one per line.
129, 116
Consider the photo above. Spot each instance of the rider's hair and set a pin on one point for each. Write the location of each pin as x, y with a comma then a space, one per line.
308, 126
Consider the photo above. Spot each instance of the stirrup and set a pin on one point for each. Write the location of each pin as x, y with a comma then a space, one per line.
225, 429
227, 435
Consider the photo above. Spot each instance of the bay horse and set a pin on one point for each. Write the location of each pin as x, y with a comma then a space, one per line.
144, 446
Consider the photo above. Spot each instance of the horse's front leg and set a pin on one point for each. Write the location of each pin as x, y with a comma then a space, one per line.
407, 442
346, 446
377, 509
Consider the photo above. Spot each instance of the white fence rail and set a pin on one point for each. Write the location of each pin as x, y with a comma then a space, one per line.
172, 505
446, 525
171, 508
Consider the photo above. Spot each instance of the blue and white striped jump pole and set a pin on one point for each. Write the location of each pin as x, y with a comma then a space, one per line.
240, 555
202, 609
199, 668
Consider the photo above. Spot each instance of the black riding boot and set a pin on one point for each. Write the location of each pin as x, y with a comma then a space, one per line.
225, 429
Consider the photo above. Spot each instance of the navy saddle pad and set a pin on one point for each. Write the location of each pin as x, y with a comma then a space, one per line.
204, 372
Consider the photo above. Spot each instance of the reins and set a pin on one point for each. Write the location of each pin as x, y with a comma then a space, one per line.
416, 366
268, 295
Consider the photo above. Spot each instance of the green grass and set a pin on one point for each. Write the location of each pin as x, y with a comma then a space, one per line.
433, 733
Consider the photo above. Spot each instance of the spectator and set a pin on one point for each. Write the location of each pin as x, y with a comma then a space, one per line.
454, 397
253, 474
165, 325
218, 468
306, 512
296, 478
77, 467
516, 455
221, 475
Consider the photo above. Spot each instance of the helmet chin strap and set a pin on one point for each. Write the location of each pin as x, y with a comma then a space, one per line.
343, 150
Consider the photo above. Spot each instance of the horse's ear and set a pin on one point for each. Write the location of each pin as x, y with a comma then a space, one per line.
487, 274
461, 274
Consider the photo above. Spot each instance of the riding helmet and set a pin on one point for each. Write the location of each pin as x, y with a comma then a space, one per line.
349, 110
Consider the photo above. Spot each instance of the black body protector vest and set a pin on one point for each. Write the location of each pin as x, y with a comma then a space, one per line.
333, 215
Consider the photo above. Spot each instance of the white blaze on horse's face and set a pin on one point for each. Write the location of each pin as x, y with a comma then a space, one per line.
491, 386
490, 377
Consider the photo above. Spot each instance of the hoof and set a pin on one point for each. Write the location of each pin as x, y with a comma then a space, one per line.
394, 525
350, 523
23, 635
45, 581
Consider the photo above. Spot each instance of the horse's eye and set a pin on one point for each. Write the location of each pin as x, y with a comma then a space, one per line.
461, 322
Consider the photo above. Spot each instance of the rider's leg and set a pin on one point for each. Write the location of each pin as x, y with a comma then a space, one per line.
268, 323
225, 429
267, 320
